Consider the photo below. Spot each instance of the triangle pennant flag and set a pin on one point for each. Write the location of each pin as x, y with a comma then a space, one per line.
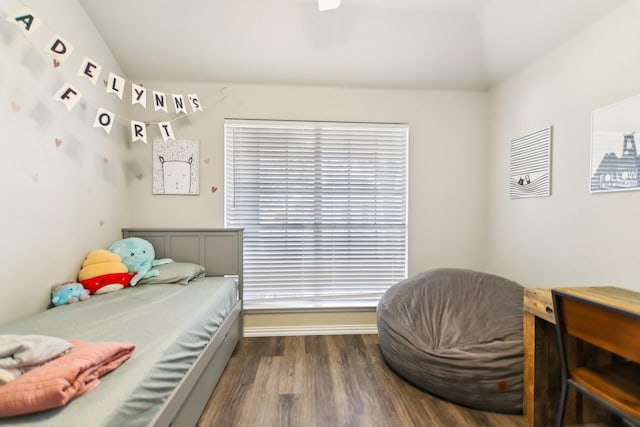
166, 131
195, 102
138, 95
115, 84
160, 101
138, 131
26, 20
68, 95
90, 69
104, 120
178, 102
60, 49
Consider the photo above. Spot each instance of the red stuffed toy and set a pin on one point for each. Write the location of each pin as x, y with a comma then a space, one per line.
103, 271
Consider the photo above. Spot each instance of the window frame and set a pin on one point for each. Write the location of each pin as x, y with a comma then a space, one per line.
368, 302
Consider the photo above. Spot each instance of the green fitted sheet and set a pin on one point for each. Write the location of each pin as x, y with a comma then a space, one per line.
169, 324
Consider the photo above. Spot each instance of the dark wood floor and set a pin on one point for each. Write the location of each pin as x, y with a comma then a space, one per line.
339, 380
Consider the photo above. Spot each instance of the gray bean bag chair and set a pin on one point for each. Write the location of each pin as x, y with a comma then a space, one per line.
457, 334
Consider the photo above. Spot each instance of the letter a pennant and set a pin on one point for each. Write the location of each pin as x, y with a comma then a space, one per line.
26, 20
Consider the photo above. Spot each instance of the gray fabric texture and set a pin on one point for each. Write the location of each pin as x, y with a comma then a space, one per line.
181, 273
457, 334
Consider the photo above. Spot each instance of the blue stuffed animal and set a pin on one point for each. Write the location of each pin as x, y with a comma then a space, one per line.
68, 293
138, 255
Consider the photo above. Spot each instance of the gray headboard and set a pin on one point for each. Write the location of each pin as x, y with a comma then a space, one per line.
219, 250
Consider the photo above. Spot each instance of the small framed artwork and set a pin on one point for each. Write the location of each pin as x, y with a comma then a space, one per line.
614, 156
176, 167
530, 172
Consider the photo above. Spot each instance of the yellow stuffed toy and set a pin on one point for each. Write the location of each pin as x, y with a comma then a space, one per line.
103, 271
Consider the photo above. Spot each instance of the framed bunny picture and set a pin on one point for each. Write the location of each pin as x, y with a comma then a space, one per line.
175, 167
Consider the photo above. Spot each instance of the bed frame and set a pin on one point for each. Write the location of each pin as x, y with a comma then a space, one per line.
220, 252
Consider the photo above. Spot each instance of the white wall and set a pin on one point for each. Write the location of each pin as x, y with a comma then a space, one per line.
572, 237
447, 168
59, 200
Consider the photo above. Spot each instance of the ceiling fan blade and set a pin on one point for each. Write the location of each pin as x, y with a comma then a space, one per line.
324, 5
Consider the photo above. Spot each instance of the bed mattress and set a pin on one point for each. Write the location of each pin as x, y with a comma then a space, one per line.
169, 324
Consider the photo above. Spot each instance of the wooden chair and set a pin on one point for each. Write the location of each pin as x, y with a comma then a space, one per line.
617, 385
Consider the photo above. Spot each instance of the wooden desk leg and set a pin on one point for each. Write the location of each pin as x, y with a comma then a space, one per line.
529, 336
541, 372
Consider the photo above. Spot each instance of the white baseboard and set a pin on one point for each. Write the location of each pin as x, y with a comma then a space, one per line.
281, 331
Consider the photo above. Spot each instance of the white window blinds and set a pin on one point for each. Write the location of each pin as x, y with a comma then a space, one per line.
324, 209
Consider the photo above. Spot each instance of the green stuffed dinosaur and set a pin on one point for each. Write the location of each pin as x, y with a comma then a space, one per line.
138, 255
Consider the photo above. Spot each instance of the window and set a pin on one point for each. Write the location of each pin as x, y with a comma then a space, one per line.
324, 209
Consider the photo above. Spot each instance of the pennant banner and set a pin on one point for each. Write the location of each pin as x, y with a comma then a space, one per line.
104, 120
178, 102
138, 131
60, 49
166, 131
138, 95
26, 20
160, 101
68, 95
195, 102
90, 69
116, 84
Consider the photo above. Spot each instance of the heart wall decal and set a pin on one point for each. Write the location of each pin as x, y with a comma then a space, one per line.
15, 107
58, 142
56, 63
214, 189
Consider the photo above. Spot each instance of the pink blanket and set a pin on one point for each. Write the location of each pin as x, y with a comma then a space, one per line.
57, 382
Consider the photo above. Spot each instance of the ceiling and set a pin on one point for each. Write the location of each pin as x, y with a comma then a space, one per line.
427, 44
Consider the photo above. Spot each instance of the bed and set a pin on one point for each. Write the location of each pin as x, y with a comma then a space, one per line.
184, 336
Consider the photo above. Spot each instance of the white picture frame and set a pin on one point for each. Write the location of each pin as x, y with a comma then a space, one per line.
176, 167
530, 165
615, 165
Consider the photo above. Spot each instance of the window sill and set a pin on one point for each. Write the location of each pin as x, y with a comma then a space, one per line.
253, 310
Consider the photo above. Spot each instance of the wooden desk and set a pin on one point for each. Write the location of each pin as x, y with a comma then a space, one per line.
617, 298
542, 359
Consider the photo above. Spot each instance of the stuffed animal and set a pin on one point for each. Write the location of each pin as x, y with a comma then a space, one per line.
68, 293
103, 271
138, 255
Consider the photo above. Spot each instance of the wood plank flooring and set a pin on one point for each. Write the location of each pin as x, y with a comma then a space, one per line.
338, 380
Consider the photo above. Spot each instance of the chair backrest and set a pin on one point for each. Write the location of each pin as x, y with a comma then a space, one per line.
610, 328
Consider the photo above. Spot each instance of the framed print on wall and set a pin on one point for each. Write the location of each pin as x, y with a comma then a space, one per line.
530, 171
176, 167
614, 157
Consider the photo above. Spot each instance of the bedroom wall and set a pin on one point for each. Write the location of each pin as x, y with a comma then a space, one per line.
447, 166
63, 183
573, 237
